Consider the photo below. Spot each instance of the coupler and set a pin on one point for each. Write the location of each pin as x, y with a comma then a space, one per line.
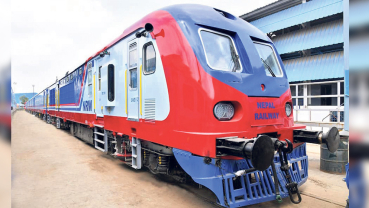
331, 137
259, 150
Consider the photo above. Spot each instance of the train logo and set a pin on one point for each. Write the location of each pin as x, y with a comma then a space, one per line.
87, 105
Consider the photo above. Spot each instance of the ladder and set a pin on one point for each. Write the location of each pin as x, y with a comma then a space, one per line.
58, 123
100, 139
136, 153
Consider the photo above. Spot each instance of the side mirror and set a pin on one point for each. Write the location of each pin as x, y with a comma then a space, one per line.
148, 29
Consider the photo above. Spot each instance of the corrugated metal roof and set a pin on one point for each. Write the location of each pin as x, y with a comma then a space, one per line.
269, 9
325, 66
321, 35
302, 13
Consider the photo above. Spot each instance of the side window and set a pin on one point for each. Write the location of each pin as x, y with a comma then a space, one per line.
133, 55
71, 77
133, 78
90, 83
132, 65
80, 71
149, 56
67, 79
111, 84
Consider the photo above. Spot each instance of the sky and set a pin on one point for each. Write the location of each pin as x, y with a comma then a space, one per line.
49, 38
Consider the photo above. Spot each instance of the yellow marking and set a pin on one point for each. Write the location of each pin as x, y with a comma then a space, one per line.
141, 90
126, 92
58, 98
94, 92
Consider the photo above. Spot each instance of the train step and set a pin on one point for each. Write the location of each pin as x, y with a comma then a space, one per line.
99, 133
101, 149
136, 153
100, 139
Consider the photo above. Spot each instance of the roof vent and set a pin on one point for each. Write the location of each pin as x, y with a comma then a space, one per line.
225, 14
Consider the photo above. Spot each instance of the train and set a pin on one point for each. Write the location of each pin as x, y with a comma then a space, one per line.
193, 93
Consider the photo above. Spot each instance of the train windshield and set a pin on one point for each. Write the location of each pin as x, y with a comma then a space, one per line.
220, 51
269, 59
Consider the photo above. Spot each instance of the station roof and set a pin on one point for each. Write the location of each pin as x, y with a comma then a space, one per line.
318, 67
294, 15
270, 9
317, 36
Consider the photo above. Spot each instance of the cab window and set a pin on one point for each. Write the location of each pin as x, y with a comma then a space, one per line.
220, 51
149, 58
269, 59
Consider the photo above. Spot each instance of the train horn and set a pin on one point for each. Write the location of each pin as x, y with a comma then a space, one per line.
148, 29
260, 150
331, 137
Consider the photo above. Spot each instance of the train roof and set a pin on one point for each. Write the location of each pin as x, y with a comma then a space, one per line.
194, 14
189, 15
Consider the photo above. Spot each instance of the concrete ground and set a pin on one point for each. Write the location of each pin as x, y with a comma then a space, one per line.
50, 168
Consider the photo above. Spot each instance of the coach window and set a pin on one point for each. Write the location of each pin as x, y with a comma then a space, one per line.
71, 77
111, 84
90, 83
220, 51
133, 78
80, 71
149, 58
133, 55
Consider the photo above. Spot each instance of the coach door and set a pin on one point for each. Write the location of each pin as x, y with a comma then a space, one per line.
98, 76
132, 81
45, 101
57, 97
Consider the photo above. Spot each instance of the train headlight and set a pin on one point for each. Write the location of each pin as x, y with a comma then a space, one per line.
223, 111
288, 109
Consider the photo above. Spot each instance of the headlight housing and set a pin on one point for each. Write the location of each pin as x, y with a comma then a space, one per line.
288, 109
224, 111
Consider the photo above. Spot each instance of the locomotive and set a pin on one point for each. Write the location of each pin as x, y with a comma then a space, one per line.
194, 93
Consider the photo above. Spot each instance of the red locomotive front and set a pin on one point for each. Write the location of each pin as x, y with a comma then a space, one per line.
194, 91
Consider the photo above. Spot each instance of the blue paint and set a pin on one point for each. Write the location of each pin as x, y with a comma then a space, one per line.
52, 97
220, 179
265, 105
193, 17
266, 116
70, 91
87, 105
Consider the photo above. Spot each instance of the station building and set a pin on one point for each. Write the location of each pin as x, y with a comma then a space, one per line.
309, 36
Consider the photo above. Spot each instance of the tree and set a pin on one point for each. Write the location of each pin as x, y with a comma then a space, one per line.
23, 99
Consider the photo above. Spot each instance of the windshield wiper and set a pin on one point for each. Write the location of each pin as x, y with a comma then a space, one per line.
234, 59
269, 69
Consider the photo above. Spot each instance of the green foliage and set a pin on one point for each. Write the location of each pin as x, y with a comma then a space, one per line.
23, 99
